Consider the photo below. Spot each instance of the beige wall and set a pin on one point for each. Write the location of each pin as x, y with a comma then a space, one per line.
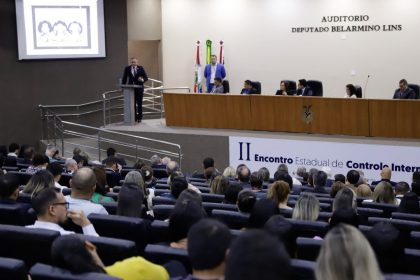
259, 44
144, 19
148, 54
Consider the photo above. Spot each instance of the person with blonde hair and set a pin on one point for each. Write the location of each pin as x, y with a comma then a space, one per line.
383, 193
306, 208
219, 185
364, 190
279, 193
229, 172
346, 255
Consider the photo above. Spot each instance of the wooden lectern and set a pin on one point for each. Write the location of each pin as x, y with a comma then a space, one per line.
129, 103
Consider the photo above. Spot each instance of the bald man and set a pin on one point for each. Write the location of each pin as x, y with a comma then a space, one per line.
385, 177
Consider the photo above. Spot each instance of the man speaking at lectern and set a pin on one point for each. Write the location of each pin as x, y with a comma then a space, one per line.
134, 74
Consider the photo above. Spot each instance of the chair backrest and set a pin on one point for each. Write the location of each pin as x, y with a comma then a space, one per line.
292, 86
397, 276
316, 87
324, 216
416, 89
287, 213
158, 200
23, 177
162, 211
302, 269
406, 216
47, 272
309, 228
161, 254
10, 168
387, 208
211, 197
257, 86
209, 206
28, 244
112, 250
159, 192
15, 214
12, 269
128, 228
234, 220
370, 212
402, 225
111, 207
359, 92
226, 87
308, 248
160, 173
159, 232
411, 261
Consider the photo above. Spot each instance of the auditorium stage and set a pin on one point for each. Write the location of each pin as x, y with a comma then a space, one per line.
198, 143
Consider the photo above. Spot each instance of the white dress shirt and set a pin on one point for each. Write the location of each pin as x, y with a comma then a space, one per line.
87, 206
87, 230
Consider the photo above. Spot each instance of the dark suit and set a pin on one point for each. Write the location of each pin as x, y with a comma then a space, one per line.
129, 78
407, 94
307, 91
249, 91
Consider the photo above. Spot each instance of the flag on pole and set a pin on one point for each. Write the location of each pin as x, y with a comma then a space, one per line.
197, 74
208, 51
222, 54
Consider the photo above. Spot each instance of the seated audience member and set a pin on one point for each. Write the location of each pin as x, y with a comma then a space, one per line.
50, 151
71, 165
364, 191
345, 216
330, 181
300, 171
336, 187
229, 173
362, 179
166, 160
284, 89
248, 88
208, 245
246, 201
404, 92
385, 177
82, 187
52, 209
73, 253
111, 152
306, 208
388, 244
350, 91
149, 180
305, 179
41, 180
312, 172
28, 156
340, 178
11, 157
279, 193
409, 203
56, 156
415, 185
263, 210
352, 177
113, 169
284, 176
281, 228
81, 161
139, 164
345, 199
208, 162
185, 214
209, 174
231, 194
39, 162
304, 89
256, 254
219, 185
283, 168
56, 169
256, 183
156, 162
177, 185
218, 86
9, 190
130, 201
346, 255
243, 177
383, 193
77, 151
172, 167
99, 195
320, 179
401, 188
264, 173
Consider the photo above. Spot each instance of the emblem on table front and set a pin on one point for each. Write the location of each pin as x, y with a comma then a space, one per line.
307, 114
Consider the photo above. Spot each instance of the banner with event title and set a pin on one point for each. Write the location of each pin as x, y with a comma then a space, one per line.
339, 156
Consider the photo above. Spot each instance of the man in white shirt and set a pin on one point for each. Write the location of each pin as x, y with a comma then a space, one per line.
52, 210
83, 186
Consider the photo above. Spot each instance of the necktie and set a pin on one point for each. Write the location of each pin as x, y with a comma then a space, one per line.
133, 71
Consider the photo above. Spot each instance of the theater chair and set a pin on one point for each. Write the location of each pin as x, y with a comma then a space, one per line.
308, 248
13, 269
161, 254
316, 87
257, 86
10, 168
24, 198
162, 211
160, 192
209, 206
111, 207
287, 213
134, 229
211, 197
234, 220
358, 91
160, 173
159, 232
402, 225
112, 250
200, 184
324, 216
309, 228
204, 189
192, 180
47, 272
226, 86
16, 214
387, 208
411, 261
302, 270
416, 89
28, 244
370, 212
161, 186
364, 229
396, 276
406, 216
324, 207
292, 86
158, 200
23, 177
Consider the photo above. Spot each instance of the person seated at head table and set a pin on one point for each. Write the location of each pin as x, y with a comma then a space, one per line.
404, 92
350, 91
284, 89
248, 89
218, 86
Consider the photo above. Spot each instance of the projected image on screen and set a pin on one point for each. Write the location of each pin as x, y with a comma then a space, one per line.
60, 29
